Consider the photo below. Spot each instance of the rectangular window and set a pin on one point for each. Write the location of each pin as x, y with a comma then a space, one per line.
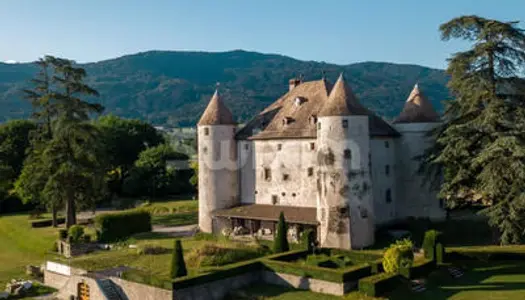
310, 172
246, 146
206, 131
275, 199
387, 170
312, 146
348, 154
345, 123
279, 147
286, 177
388, 196
267, 174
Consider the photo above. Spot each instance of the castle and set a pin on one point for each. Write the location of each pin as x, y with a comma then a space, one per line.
320, 157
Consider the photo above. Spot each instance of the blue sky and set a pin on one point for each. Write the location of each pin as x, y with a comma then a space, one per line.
337, 31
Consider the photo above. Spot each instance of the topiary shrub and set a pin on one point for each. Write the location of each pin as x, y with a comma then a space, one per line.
62, 234
430, 240
440, 253
308, 240
76, 232
280, 243
399, 255
178, 266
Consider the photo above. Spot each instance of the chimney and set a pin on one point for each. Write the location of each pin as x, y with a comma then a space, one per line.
293, 83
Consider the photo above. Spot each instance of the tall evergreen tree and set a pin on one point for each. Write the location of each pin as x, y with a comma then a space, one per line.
280, 243
178, 266
481, 145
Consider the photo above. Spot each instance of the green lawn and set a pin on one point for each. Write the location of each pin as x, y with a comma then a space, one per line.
173, 213
20, 245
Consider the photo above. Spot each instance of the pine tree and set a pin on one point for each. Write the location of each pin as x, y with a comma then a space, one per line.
480, 147
281, 240
178, 266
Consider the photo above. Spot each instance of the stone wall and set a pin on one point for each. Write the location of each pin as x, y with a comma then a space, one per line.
292, 164
137, 291
68, 285
384, 173
304, 283
216, 290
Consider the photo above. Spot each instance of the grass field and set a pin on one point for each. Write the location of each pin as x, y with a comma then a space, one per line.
21, 245
173, 213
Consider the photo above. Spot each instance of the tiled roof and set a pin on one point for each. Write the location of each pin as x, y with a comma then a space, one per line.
418, 109
216, 113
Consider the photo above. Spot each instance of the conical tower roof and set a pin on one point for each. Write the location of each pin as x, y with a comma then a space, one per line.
216, 113
418, 109
342, 101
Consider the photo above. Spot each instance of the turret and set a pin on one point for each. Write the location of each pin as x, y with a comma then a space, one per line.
416, 198
345, 205
217, 151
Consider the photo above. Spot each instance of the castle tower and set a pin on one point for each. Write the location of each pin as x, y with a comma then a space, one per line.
345, 204
217, 151
415, 198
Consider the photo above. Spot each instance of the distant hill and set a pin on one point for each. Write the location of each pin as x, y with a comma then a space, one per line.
173, 87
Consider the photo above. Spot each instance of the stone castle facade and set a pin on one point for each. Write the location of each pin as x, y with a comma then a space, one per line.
320, 157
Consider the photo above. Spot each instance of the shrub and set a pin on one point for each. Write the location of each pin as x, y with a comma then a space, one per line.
440, 253
86, 238
62, 234
76, 232
281, 240
178, 266
46, 222
432, 237
379, 284
151, 250
308, 240
204, 236
398, 255
118, 226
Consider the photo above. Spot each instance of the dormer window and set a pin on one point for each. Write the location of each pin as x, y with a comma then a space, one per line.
312, 119
287, 120
299, 101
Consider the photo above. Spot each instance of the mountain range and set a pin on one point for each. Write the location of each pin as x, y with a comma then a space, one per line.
173, 87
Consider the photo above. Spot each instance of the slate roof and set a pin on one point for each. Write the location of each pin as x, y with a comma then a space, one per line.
216, 112
417, 109
263, 212
294, 114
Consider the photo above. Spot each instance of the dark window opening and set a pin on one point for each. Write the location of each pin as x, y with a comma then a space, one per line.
275, 199
283, 194
310, 172
267, 174
246, 146
312, 146
364, 213
279, 147
293, 194
286, 177
388, 196
441, 203
345, 123
387, 170
348, 154
387, 144
256, 192
206, 131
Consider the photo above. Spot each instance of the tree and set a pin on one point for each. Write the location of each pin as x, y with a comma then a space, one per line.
480, 147
124, 140
280, 244
151, 175
194, 180
178, 266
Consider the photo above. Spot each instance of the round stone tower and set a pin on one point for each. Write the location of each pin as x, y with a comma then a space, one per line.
345, 204
416, 197
217, 151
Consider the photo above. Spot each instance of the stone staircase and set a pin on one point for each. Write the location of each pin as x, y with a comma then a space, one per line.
109, 289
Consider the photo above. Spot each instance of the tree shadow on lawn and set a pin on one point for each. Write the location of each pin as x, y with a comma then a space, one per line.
480, 278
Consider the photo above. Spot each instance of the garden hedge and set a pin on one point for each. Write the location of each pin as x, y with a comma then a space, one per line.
379, 284
119, 226
139, 276
418, 270
46, 222
377, 266
430, 240
485, 255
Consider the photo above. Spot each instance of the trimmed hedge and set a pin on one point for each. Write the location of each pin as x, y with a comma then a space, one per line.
46, 222
139, 276
217, 274
356, 256
419, 270
440, 253
289, 256
379, 284
485, 255
118, 226
376, 266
